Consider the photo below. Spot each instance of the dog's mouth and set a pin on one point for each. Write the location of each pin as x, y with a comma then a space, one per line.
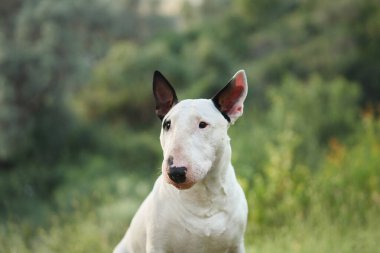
181, 186
187, 184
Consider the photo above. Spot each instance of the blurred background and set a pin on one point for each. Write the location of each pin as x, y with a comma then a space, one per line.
79, 147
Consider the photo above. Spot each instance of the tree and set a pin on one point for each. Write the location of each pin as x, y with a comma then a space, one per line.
47, 50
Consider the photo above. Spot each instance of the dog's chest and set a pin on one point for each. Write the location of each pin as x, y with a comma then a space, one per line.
214, 234
211, 224
206, 231
209, 241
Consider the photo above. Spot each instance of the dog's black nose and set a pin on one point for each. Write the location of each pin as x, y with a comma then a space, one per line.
177, 174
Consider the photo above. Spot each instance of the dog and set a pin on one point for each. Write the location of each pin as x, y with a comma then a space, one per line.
196, 204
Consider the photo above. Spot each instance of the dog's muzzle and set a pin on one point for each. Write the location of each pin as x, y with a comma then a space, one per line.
177, 175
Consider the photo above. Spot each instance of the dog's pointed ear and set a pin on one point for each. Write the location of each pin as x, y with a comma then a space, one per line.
230, 99
164, 94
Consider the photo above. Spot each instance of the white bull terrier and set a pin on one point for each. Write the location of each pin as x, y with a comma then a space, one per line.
197, 204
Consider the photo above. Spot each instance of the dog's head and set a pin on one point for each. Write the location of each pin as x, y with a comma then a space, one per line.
194, 131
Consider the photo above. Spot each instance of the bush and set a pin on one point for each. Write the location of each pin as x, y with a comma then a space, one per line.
291, 183
316, 110
348, 186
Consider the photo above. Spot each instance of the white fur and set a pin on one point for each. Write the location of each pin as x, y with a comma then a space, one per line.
208, 214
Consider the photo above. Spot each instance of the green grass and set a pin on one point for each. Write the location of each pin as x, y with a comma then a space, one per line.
99, 232
322, 237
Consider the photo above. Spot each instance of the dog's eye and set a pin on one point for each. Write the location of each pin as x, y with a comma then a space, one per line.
166, 125
203, 124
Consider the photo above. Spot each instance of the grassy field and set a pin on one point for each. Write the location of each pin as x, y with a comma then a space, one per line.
99, 231
320, 237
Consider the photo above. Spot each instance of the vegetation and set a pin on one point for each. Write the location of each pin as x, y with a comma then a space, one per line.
79, 145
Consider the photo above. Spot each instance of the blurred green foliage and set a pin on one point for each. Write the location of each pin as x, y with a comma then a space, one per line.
79, 146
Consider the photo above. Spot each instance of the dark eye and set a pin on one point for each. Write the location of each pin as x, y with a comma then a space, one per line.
202, 124
166, 125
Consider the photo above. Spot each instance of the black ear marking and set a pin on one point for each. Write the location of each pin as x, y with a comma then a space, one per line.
164, 94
